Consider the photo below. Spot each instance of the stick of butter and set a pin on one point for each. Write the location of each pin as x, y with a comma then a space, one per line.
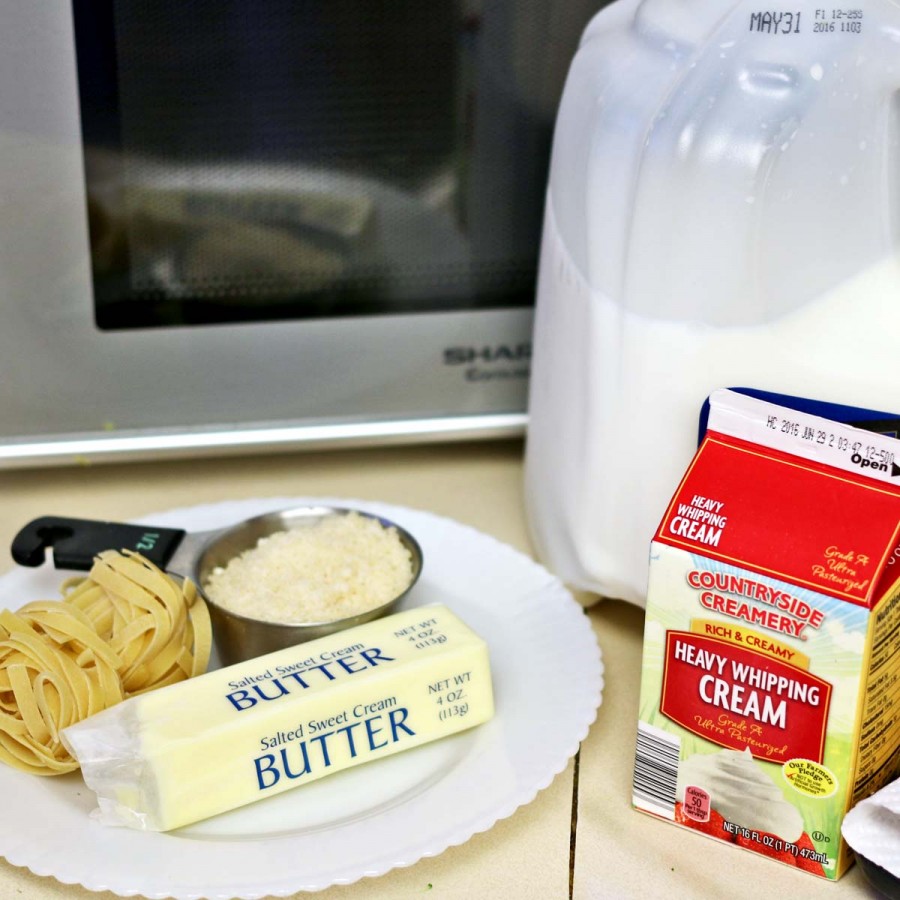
219, 741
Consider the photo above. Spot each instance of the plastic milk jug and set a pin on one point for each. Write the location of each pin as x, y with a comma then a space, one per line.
723, 210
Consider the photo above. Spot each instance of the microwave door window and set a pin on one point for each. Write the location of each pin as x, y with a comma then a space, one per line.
251, 161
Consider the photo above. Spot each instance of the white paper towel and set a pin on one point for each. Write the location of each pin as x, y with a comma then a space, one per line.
872, 828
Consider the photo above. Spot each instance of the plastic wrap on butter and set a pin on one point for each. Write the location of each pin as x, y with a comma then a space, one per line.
186, 752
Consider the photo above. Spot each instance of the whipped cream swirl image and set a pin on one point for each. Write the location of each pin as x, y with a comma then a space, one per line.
741, 792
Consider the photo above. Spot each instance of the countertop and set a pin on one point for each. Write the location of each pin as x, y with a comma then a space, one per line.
579, 838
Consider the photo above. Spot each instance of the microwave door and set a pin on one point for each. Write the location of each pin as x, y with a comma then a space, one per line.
298, 221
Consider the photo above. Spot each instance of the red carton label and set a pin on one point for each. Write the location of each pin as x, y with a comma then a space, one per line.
750, 506
739, 698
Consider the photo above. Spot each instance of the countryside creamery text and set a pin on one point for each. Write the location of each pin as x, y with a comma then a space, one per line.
771, 607
746, 689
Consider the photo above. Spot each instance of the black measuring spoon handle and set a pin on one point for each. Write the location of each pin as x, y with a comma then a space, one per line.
76, 542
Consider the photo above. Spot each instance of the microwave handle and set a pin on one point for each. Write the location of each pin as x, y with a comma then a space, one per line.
75, 542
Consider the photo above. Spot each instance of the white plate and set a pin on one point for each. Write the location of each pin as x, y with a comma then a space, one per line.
548, 678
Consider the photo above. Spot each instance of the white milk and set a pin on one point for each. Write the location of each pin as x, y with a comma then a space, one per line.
616, 397
723, 190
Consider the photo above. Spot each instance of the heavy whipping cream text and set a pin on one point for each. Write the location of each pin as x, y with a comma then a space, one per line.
729, 692
746, 689
700, 520
726, 593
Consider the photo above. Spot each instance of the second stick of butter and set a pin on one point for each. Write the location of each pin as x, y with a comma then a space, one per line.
190, 751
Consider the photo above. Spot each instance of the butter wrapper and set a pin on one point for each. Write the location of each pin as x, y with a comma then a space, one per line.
189, 751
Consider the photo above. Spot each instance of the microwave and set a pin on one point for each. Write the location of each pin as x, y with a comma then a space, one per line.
230, 225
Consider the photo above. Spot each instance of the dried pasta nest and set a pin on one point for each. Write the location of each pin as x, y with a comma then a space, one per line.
125, 629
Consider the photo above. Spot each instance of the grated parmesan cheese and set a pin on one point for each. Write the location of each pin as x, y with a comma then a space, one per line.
338, 567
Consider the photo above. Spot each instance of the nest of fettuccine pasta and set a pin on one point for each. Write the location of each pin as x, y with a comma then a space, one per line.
125, 629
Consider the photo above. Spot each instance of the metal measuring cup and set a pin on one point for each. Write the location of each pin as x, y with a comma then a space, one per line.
194, 555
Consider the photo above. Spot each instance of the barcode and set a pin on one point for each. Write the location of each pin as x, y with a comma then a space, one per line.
656, 771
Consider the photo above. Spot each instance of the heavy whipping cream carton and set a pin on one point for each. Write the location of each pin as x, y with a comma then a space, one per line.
770, 696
